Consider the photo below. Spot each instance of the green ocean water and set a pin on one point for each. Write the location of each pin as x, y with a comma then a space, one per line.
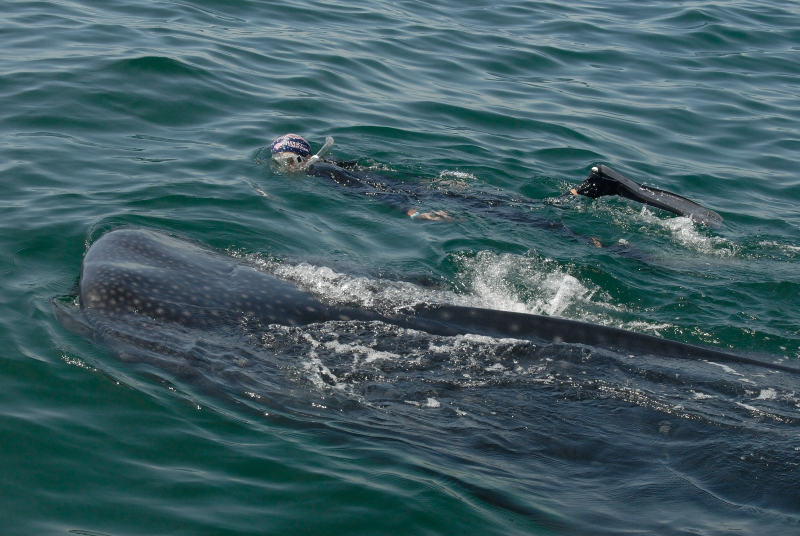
158, 115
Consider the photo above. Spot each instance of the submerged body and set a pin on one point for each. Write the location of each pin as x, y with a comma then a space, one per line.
507, 422
411, 198
148, 274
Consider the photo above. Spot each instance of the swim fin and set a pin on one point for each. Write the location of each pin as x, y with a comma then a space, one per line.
603, 180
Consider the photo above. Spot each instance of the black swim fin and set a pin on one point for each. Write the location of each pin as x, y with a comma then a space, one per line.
603, 180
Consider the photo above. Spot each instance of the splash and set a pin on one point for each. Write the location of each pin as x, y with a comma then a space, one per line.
527, 284
502, 282
788, 250
454, 180
456, 175
536, 285
684, 232
342, 289
522, 284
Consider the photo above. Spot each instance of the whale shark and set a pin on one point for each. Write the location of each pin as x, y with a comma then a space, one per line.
149, 274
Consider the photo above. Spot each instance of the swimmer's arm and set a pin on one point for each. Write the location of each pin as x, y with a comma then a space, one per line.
338, 172
344, 164
437, 215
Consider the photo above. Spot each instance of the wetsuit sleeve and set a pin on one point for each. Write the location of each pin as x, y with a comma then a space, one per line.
367, 184
603, 180
345, 164
337, 174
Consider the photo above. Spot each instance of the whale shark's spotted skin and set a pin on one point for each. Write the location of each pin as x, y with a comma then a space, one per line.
149, 274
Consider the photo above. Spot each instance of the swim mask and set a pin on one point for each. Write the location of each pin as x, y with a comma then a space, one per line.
293, 150
290, 159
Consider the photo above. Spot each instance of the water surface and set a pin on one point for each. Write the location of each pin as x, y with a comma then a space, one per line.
156, 114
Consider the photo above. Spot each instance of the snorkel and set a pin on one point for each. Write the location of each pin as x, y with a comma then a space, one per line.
320, 153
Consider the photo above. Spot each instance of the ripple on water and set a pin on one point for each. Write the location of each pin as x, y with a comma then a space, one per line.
152, 114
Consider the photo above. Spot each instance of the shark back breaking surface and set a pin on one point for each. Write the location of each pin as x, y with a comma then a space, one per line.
150, 274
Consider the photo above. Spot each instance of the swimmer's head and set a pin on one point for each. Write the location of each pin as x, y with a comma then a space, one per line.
291, 150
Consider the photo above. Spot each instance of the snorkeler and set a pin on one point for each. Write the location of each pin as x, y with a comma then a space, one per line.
294, 154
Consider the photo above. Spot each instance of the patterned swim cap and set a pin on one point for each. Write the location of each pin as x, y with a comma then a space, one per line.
291, 143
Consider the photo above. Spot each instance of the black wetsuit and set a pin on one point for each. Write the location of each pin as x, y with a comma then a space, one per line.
366, 183
406, 196
601, 181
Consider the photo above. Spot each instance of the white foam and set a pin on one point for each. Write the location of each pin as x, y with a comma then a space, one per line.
782, 247
76, 362
729, 370
432, 403
499, 281
767, 394
454, 180
370, 354
522, 284
316, 369
685, 232
429, 403
726, 368
343, 289
456, 175
639, 325
536, 285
